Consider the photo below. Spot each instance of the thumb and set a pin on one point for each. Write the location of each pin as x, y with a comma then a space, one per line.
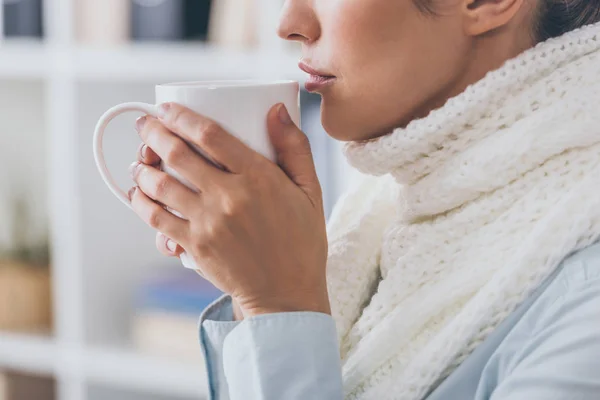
294, 155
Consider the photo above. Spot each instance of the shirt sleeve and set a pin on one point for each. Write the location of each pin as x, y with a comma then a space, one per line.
288, 356
216, 323
561, 358
292, 356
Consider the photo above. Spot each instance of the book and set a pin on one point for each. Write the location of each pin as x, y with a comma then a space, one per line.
157, 20
22, 18
167, 335
181, 292
167, 311
197, 17
233, 23
105, 22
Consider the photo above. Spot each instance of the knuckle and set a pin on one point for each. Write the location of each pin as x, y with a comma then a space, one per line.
176, 152
202, 242
216, 229
155, 217
201, 249
236, 205
179, 117
301, 143
229, 206
208, 134
161, 186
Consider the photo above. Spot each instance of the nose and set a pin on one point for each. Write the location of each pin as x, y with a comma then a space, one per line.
299, 22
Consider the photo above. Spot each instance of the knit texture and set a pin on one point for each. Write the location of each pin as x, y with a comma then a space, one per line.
462, 215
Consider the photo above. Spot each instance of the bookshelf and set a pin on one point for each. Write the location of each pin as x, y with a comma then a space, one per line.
142, 62
100, 249
33, 354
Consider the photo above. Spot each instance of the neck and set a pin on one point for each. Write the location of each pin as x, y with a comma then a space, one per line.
486, 53
523, 106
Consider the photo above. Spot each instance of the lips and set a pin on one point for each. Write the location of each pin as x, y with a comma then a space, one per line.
317, 79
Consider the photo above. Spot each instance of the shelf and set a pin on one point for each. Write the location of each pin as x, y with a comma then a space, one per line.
134, 371
27, 59
24, 353
112, 367
143, 62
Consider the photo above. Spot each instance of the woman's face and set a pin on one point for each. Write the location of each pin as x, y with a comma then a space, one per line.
390, 61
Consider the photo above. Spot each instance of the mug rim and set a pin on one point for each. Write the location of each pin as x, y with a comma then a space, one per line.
226, 84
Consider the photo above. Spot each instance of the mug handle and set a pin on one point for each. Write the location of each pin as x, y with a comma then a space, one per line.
108, 116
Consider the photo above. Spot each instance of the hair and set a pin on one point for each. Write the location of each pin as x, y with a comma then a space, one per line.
556, 17
553, 17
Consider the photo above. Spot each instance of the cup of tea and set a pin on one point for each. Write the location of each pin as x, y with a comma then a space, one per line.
240, 107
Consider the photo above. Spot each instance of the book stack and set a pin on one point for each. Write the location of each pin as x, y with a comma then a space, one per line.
238, 24
114, 22
168, 311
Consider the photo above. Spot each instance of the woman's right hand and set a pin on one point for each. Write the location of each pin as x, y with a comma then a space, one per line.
164, 244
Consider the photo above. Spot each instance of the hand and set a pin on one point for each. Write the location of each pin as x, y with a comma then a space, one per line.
256, 229
165, 245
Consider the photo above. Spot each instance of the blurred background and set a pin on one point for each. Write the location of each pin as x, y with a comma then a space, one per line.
88, 307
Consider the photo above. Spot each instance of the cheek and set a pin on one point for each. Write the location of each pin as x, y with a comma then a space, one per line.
361, 30
391, 61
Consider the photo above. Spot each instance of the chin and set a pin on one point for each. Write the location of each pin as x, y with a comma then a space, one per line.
339, 123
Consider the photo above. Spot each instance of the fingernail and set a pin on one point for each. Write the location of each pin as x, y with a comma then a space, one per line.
144, 151
133, 169
172, 246
140, 122
163, 110
284, 115
131, 193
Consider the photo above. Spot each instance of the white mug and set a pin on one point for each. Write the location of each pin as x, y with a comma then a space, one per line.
240, 107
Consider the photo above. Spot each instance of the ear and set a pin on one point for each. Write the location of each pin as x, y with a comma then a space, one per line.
483, 16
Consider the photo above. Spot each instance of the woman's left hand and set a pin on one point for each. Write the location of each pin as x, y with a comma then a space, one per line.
256, 229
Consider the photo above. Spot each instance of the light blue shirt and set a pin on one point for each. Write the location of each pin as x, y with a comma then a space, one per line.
548, 349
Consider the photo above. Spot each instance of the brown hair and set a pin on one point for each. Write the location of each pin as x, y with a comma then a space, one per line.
554, 17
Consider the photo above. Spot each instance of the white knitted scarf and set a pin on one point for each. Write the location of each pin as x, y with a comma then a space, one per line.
468, 211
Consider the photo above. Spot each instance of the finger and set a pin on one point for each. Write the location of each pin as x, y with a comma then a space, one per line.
177, 154
167, 246
147, 156
165, 189
217, 144
159, 218
294, 154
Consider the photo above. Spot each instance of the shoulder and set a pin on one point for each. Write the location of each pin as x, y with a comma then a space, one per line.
581, 267
574, 293
553, 352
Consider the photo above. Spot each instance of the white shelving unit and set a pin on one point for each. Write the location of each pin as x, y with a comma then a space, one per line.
34, 354
143, 62
119, 368
100, 250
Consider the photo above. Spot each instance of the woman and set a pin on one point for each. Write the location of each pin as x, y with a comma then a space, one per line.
463, 265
